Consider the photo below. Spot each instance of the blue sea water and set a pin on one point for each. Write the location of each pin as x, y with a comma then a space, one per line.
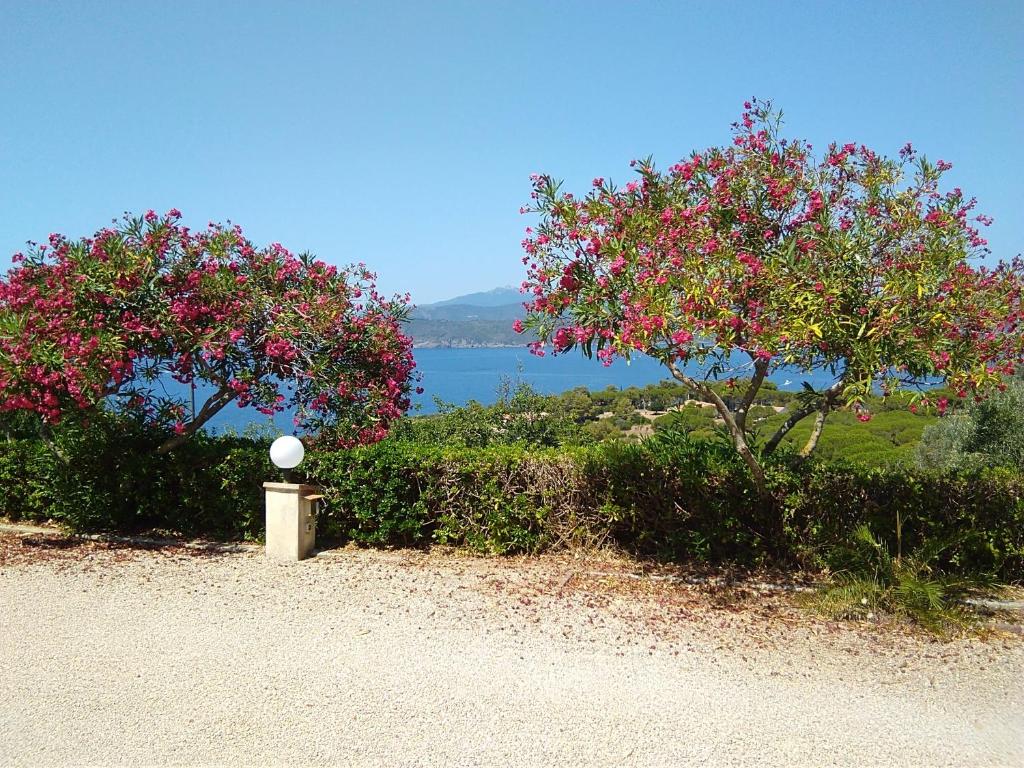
460, 375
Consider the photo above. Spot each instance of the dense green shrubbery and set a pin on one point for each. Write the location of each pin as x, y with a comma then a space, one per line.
579, 416
989, 433
668, 497
979, 514
108, 477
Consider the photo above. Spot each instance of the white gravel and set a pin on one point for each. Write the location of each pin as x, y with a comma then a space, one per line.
128, 657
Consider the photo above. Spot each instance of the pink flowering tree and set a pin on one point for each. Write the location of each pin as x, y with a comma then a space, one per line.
102, 321
745, 259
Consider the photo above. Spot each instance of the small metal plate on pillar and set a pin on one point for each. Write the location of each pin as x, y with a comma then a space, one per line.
291, 520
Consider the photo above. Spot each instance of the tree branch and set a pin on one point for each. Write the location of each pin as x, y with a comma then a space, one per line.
799, 415
819, 425
760, 370
210, 408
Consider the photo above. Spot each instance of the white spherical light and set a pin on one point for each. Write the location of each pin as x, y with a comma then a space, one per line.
287, 452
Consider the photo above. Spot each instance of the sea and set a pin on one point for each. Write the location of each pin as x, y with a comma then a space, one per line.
461, 375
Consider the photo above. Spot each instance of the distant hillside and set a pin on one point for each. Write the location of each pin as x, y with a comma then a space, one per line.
492, 298
469, 312
481, 319
466, 333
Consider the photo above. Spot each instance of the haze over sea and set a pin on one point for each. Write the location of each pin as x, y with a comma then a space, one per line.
460, 375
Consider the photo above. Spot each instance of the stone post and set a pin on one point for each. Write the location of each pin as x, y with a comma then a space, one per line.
291, 520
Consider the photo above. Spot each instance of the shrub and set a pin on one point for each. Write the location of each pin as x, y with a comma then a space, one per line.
903, 585
372, 494
982, 511
988, 433
521, 416
668, 497
26, 494
106, 477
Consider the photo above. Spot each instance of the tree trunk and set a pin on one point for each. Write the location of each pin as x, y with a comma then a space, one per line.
812, 441
47, 435
799, 415
756, 471
760, 371
739, 439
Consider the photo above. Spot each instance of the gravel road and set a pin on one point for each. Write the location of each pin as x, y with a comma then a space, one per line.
112, 655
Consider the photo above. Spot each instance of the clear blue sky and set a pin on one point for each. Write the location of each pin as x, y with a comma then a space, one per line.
403, 134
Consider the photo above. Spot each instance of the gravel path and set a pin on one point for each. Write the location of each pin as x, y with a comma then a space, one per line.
114, 656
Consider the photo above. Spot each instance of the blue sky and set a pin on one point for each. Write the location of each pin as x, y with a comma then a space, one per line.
403, 134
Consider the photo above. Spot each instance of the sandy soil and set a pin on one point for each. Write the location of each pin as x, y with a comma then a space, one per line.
113, 655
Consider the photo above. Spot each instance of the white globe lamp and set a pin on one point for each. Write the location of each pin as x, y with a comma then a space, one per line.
287, 452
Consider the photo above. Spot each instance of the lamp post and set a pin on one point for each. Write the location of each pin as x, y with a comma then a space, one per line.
291, 507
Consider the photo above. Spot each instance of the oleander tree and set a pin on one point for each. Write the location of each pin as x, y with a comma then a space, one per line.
105, 321
757, 256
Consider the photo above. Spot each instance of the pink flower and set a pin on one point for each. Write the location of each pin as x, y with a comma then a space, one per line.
563, 339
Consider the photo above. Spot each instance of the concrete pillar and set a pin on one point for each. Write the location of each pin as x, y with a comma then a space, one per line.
291, 520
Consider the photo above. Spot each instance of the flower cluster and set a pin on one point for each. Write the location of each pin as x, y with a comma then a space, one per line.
104, 318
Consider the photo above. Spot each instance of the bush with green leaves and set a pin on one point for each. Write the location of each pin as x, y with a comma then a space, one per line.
669, 497
989, 433
877, 582
890, 437
521, 416
373, 495
104, 475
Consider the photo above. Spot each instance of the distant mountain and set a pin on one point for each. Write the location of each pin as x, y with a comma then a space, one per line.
493, 298
469, 312
481, 319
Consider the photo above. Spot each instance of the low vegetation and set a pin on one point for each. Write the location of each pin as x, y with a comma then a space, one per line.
668, 497
989, 433
877, 583
532, 473
580, 417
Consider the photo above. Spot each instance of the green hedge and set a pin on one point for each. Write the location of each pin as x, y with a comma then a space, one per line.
209, 487
669, 499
